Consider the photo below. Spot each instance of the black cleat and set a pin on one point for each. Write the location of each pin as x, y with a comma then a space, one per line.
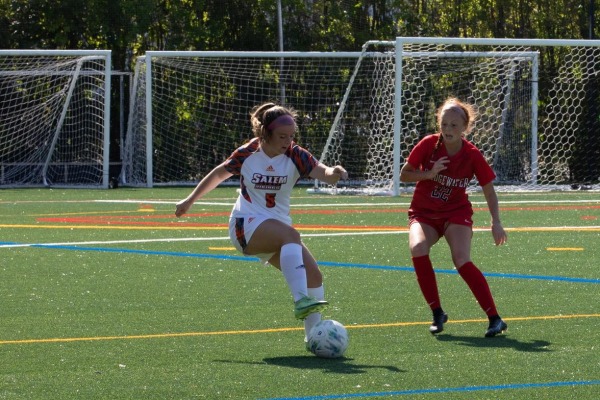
439, 319
496, 326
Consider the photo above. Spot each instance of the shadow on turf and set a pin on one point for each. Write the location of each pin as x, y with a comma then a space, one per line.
334, 365
535, 346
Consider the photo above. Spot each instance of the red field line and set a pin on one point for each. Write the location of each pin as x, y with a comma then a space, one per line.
149, 220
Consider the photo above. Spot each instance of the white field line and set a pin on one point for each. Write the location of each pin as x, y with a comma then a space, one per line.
330, 234
167, 240
200, 202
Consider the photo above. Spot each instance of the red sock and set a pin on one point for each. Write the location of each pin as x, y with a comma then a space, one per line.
427, 281
479, 286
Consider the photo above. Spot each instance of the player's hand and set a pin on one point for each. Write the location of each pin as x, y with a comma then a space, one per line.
340, 172
440, 165
182, 207
499, 234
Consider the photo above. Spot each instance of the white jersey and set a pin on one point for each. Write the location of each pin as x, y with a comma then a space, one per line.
266, 183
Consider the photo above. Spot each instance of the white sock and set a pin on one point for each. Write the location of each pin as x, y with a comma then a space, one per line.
292, 267
314, 318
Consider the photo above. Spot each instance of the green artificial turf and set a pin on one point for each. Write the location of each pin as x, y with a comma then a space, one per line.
106, 295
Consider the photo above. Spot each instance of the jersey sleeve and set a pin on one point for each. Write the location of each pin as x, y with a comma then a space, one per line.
304, 161
421, 153
233, 164
483, 172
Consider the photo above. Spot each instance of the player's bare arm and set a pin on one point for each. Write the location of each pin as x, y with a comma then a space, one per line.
491, 198
330, 175
208, 183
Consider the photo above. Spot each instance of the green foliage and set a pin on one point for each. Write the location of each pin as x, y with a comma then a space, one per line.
320, 25
131, 27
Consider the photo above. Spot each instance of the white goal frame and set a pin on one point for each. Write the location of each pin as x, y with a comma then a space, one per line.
141, 128
536, 106
400, 55
94, 164
402, 51
401, 41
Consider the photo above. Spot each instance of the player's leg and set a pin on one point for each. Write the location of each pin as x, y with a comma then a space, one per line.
273, 236
315, 287
459, 240
313, 273
420, 238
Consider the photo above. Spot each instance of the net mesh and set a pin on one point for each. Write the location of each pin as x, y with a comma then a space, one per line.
201, 109
52, 115
538, 110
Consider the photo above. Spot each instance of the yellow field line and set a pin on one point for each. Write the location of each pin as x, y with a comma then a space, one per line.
464, 321
86, 213
275, 330
203, 228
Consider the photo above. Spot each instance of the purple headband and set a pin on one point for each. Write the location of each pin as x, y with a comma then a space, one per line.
282, 120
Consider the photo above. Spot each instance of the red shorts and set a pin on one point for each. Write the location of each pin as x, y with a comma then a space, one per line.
440, 224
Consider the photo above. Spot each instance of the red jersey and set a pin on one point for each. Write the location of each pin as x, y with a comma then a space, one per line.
446, 194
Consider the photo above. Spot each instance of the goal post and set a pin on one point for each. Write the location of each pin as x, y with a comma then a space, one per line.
538, 104
54, 118
405, 87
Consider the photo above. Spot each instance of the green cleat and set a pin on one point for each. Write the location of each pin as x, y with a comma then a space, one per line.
308, 305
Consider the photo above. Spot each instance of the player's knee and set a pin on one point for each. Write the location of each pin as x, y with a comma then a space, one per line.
460, 260
290, 236
419, 249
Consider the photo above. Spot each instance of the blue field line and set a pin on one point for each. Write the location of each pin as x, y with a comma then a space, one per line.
453, 271
463, 389
321, 263
146, 252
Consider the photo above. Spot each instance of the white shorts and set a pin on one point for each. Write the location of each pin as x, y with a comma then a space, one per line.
241, 230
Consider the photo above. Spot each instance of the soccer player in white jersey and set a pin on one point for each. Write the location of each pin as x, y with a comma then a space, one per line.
269, 166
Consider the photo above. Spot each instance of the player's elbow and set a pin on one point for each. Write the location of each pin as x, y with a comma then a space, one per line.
407, 177
405, 173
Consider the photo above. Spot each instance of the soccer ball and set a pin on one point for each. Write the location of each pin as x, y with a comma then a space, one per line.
328, 339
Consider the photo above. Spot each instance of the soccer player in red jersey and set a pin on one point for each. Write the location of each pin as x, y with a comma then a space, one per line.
260, 225
442, 165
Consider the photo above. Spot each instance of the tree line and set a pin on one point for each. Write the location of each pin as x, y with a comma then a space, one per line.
131, 27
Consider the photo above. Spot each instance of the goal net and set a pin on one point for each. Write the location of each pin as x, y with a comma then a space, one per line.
54, 115
190, 110
538, 105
